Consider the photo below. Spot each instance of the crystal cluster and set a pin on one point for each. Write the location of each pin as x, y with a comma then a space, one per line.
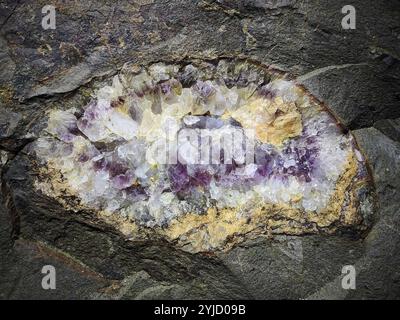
111, 152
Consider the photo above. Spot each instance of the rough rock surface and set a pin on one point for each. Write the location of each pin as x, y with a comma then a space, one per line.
354, 72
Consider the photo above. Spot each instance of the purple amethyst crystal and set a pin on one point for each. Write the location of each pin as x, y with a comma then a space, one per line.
178, 177
100, 164
83, 157
266, 92
122, 181
136, 192
116, 168
166, 88
200, 178
204, 89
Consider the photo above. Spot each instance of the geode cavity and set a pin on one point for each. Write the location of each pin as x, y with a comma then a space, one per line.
205, 154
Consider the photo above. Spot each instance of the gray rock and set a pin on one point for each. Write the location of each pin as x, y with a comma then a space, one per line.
389, 127
384, 157
21, 276
7, 65
354, 72
8, 123
292, 267
358, 95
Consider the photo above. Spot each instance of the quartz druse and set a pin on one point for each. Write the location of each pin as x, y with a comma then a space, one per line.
204, 154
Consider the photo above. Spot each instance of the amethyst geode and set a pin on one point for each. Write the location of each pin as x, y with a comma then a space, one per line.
204, 154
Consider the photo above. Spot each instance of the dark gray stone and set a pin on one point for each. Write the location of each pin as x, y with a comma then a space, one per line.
384, 157
21, 276
358, 95
354, 72
8, 123
379, 273
6, 63
389, 127
292, 267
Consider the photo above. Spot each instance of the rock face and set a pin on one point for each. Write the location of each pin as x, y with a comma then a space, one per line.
87, 110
